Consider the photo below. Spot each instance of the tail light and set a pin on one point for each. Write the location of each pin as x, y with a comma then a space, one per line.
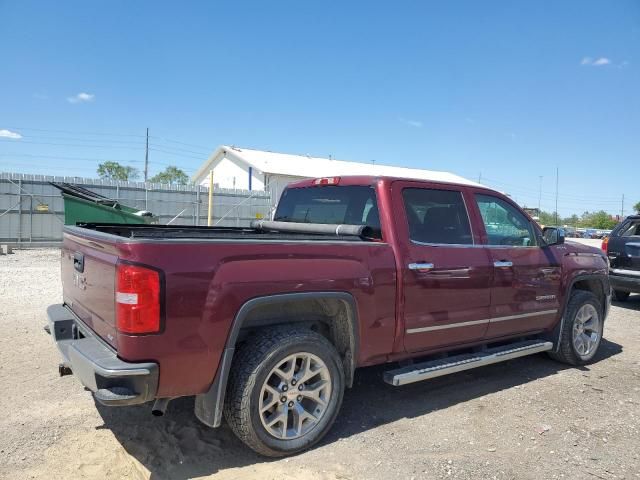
137, 299
605, 244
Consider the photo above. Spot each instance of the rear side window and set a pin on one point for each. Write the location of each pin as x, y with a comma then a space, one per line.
437, 216
632, 229
330, 204
505, 225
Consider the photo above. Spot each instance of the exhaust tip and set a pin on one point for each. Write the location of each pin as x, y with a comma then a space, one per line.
160, 407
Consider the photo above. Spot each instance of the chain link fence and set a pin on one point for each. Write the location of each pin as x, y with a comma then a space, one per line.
32, 210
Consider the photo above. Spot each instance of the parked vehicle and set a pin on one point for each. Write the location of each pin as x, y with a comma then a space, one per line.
267, 325
622, 247
590, 233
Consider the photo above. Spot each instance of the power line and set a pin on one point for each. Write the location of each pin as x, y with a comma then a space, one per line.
179, 149
72, 139
87, 159
207, 149
533, 191
14, 142
77, 133
155, 149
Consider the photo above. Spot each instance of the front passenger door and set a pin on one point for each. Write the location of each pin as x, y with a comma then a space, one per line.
526, 278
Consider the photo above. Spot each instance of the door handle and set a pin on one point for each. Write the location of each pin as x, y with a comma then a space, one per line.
503, 264
421, 267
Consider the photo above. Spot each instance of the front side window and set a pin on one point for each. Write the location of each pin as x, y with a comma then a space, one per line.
437, 216
505, 225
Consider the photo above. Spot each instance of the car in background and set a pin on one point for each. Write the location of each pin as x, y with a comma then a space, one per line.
602, 233
622, 247
589, 233
570, 232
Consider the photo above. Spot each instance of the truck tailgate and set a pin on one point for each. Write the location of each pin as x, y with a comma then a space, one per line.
88, 283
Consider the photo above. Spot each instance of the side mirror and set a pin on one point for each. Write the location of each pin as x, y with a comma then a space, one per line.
553, 235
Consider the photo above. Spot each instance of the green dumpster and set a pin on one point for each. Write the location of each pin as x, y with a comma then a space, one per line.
84, 206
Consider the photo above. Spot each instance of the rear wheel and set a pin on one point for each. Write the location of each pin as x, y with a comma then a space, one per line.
581, 331
285, 391
621, 296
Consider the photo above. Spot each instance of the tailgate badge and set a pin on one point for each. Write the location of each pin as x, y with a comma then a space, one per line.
80, 281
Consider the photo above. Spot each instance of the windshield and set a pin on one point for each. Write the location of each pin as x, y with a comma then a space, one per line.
331, 204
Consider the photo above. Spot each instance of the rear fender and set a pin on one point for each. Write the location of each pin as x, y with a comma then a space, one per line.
336, 311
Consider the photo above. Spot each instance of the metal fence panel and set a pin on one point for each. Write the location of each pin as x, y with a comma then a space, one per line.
32, 210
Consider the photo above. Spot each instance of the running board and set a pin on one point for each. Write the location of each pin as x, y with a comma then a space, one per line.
458, 363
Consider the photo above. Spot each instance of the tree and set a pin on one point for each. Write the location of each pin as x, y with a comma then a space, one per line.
636, 207
600, 220
573, 220
115, 171
547, 218
171, 174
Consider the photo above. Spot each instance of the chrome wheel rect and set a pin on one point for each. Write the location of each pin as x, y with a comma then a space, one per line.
295, 396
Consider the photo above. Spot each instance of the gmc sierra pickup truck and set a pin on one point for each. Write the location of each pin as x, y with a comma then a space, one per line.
266, 325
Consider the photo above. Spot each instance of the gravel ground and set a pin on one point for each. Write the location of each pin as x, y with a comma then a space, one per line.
528, 418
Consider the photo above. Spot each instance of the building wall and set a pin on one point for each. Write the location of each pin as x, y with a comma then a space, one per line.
277, 183
233, 174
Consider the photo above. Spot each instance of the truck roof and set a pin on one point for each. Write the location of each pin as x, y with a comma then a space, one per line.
371, 179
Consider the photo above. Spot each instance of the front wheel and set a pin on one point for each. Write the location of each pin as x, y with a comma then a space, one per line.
285, 390
581, 331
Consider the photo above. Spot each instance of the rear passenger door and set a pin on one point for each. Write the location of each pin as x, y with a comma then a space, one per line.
526, 278
445, 274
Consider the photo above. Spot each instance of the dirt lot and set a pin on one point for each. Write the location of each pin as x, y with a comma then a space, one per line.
529, 418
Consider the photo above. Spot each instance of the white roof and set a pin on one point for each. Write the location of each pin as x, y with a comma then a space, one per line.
305, 166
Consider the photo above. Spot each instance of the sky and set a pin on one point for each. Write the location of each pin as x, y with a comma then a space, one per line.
497, 91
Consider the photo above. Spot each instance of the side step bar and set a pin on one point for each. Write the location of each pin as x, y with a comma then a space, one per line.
458, 363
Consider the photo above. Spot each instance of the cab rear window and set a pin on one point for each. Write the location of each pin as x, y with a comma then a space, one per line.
330, 204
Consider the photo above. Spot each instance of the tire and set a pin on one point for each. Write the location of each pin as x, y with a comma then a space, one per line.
583, 319
621, 296
253, 384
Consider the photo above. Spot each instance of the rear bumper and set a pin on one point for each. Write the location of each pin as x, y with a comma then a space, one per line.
626, 283
112, 380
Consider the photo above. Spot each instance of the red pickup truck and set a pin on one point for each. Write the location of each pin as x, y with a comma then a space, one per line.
266, 325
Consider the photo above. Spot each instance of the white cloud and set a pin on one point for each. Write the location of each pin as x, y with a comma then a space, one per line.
9, 134
598, 62
411, 123
81, 98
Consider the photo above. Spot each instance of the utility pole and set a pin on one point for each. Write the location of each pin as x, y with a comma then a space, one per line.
540, 196
146, 157
556, 212
622, 208
480, 177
